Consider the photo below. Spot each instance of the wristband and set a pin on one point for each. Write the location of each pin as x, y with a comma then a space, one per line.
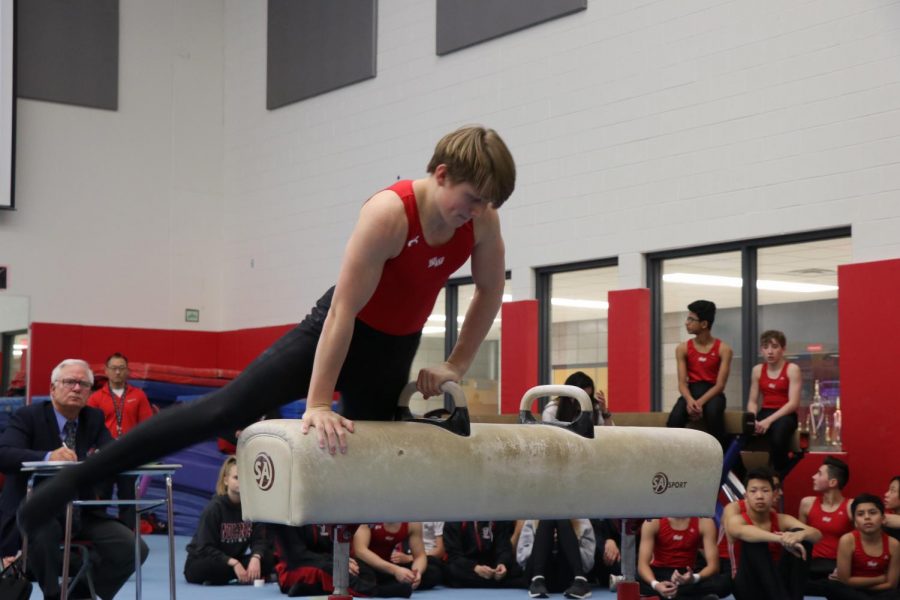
653, 585
606, 415
696, 577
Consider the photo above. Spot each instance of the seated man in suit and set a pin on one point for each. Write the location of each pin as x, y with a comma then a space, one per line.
64, 429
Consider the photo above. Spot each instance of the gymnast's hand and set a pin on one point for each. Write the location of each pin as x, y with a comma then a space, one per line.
330, 427
500, 572
430, 379
484, 571
404, 575
354, 567
610, 552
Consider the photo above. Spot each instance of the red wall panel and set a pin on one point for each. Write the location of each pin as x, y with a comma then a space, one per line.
518, 352
629, 350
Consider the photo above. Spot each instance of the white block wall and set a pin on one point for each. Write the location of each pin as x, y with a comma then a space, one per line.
636, 127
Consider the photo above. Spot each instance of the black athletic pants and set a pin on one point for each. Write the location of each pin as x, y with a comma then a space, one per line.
718, 584
213, 571
713, 411
374, 372
780, 436
758, 576
559, 570
835, 590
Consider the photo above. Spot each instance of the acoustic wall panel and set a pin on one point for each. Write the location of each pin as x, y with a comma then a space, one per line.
463, 23
316, 46
68, 51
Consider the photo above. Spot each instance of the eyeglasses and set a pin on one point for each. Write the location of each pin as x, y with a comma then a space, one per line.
71, 383
692, 319
117, 369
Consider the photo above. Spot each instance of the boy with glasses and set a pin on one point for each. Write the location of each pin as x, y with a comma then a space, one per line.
704, 363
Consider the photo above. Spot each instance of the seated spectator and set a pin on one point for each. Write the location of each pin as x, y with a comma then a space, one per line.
667, 561
63, 429
770, 548
608, 556
217, 553
305, 561
830, 514
567, 409
373, 546
727, 566
480, 555
892, 508
555, 555
704, 364
868, 563
124, 407
777, 383
433, 540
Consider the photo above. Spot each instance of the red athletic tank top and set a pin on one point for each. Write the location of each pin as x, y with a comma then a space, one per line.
703, 367
774, 548
412, 280
676, 548
774, 391
864, 565
383, 541
832, 525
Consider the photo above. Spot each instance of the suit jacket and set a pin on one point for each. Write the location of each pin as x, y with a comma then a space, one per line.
31, 433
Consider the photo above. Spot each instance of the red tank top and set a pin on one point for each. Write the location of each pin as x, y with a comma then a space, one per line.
411, 281
703, 367
774, 547
832, 525
774, 391
383, 541
676, 548
864, 565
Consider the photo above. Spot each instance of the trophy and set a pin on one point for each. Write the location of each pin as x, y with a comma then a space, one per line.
817, 415
837, 423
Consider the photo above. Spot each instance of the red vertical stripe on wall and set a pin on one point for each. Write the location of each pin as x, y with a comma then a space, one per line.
518, 352
868, 329
629, 350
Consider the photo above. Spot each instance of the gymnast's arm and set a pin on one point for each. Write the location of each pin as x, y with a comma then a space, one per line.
710, 548
489, 275
378, 236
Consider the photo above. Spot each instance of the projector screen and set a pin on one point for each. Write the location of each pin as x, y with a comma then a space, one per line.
7, 104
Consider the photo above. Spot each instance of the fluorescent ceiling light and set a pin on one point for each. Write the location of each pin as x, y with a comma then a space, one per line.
574, 303
737, 282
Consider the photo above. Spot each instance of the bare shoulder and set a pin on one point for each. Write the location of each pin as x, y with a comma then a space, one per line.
757, 370
807, 502
724, 347
486, 226
793, 370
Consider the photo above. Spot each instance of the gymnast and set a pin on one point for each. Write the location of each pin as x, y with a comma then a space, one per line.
362, 335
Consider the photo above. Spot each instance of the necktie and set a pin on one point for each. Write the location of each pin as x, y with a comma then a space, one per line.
69, 435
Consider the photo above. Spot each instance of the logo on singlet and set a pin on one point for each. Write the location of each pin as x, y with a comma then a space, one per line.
264, 471
826, 519
677, 538
412, 242
772, 386
871, 563
435, 261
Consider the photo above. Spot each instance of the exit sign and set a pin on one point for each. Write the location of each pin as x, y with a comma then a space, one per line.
192, 315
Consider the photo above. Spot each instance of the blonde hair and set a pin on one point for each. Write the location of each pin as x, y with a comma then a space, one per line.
221, 490
477, 155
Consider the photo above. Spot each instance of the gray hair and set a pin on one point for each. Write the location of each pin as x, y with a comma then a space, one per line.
54, 376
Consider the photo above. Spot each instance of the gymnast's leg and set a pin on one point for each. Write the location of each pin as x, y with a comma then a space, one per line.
280, 374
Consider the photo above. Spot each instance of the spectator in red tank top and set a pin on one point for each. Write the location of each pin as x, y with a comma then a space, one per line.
829, 513
703, 366
762, 532
373, 546
868, 560
362, 335
775, 397
668, 559
726, 543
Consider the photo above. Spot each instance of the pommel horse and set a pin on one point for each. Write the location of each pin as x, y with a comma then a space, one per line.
452, 470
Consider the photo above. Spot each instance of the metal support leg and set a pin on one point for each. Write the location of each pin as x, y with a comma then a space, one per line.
170, 515
628, 588
341, 566
67, 554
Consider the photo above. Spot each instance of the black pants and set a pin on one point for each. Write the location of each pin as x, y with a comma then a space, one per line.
124, 491
718, 584
215, 571
112, 553
384, 584
780, 436
836, 590
374, 372
758, 576
560, 568
458, 576
819, 570
713, 411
